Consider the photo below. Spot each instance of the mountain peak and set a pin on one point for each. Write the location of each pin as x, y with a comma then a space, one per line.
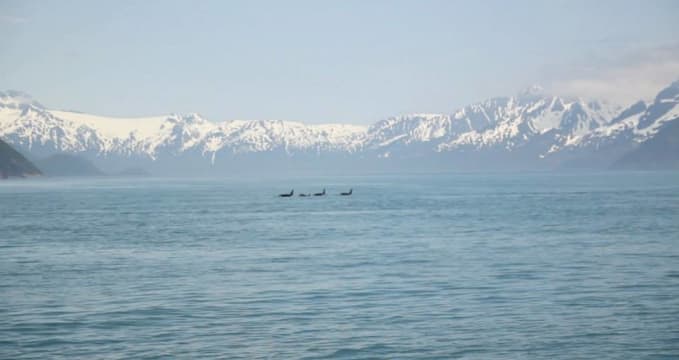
15, 98
669, 93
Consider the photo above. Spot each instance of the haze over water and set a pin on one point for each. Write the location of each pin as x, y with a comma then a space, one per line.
472, 266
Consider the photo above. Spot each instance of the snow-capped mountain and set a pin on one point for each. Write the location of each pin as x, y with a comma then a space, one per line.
505, 123
639, 122
533, 128
27, 124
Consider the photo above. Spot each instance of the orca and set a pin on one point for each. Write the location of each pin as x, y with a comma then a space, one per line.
320, 193
347, 193
304, 195
287, 195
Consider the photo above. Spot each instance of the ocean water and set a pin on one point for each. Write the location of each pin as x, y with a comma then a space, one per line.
472, 266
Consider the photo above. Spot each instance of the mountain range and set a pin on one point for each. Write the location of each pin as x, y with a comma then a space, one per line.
530, 130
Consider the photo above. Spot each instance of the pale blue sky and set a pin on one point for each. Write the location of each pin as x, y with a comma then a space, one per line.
320, 61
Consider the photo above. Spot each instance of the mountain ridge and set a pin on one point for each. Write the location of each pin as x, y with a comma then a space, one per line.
14, 164
540, 129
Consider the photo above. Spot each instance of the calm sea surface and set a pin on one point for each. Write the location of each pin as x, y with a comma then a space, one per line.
472, 266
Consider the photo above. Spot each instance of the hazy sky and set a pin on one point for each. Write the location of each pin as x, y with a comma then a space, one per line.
329, 61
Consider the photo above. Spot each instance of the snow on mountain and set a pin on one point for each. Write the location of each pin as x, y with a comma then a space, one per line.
498, 122
544, 124
16, 99
407, 129
114, 127
258, 136
637, 123
31, 126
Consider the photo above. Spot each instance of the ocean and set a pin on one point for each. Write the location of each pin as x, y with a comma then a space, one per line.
445, 266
